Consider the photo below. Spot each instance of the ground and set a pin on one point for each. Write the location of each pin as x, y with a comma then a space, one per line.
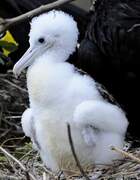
13, 101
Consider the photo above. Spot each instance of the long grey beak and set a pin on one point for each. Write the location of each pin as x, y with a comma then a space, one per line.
25, 61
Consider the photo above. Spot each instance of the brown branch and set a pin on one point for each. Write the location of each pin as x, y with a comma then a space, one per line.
126, 154
14, 85
74, 153
6, 23
28, 174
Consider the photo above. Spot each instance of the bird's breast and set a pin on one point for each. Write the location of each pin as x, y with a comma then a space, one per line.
54, 128
44, 86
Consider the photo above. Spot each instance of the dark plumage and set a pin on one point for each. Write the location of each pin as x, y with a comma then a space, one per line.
110, 52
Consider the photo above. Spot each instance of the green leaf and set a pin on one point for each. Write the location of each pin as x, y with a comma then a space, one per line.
8, 46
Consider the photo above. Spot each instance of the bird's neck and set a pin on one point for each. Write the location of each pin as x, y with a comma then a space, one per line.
56, 55
47, 79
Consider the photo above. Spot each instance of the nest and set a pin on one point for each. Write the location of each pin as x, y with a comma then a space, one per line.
21, 162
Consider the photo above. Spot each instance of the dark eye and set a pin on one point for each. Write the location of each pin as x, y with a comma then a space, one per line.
41, 40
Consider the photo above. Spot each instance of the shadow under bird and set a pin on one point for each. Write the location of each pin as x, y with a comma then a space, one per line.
60, 94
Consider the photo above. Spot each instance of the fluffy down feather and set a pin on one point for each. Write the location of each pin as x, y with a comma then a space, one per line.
59, 94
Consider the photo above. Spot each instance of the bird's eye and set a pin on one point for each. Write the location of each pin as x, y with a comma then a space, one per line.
41, 40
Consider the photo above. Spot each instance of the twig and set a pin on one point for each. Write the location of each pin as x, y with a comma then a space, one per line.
25, 155
126, 154
18, 162
6, 23
74, 153
12, 117
133, 27
92, 6
16, 132
14, 85
49, 172
44, 176
10, 177
11, 139
5, 132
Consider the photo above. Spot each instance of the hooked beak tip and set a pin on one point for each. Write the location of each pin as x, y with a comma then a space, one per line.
25, 61
16, 76
15, 72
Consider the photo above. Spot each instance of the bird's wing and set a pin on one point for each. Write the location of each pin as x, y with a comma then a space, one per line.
27, 121
28, 127
102, 90
89, 134
101, 115
106, 95
80, 71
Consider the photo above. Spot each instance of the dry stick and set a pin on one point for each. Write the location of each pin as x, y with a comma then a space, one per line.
13, 117
5, 133
9, 177
133, 27
74, 153
6, 23
10, 139
14, 85
18, 162
126, 154
44, 176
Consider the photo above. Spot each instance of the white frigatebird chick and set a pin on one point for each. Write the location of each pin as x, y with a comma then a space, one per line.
60, 94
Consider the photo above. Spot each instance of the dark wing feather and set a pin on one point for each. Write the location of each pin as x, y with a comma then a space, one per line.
106, 95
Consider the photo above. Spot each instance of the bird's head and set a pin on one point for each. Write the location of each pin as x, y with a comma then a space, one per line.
52, 32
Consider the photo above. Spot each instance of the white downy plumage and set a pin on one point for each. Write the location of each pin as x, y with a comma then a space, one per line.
59, 94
